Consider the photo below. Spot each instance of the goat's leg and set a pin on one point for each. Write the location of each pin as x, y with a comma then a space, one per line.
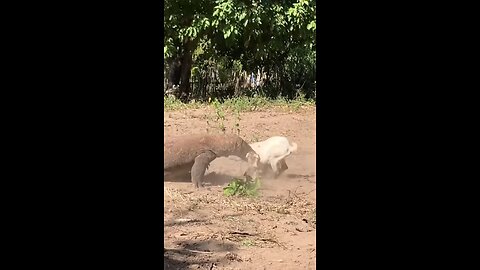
199, 167
278, 165
283, 166
273, 164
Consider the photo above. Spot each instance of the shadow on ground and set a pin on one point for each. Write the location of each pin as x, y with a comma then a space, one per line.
290, 175
202, 220
218, 179
197, 254
212, 178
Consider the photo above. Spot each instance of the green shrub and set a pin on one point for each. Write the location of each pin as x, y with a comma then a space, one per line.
242, 187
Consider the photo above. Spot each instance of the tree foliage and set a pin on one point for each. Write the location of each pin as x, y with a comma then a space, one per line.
230, 36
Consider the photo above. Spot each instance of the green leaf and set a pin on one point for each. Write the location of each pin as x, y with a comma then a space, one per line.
227, 33
242, 187
311, 25
242, 16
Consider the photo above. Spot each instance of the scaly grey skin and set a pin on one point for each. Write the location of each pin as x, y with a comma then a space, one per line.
195, 152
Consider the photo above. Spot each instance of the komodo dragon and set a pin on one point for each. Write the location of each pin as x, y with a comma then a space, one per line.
195, 152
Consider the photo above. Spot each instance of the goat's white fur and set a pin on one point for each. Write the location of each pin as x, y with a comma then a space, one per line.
273, 151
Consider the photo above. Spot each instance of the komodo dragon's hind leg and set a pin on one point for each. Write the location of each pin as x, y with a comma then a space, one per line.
202, 161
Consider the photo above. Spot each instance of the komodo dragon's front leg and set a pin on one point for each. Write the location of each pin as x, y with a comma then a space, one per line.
200, 166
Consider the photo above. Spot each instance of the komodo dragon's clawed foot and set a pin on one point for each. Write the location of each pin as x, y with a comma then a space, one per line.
202, 161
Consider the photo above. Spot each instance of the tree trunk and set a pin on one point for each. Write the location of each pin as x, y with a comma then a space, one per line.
175, 65
180, 67
186, 71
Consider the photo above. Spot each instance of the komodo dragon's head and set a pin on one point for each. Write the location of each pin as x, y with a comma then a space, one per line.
230, 144
248, 154
252, 159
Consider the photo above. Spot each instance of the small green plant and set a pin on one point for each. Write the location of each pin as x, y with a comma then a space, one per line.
220, 114
237, 105
242, 187
236, 128
171, 103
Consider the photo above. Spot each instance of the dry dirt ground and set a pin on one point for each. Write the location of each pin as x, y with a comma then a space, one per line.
276, 230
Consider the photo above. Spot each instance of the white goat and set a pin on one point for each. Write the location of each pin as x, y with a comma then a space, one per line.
273, 151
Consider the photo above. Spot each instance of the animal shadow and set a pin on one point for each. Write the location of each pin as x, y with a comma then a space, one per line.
217, 179
292, 175
213, 178
190, 254
180, 178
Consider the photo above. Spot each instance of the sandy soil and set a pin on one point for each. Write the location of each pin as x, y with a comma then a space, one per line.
276, 230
